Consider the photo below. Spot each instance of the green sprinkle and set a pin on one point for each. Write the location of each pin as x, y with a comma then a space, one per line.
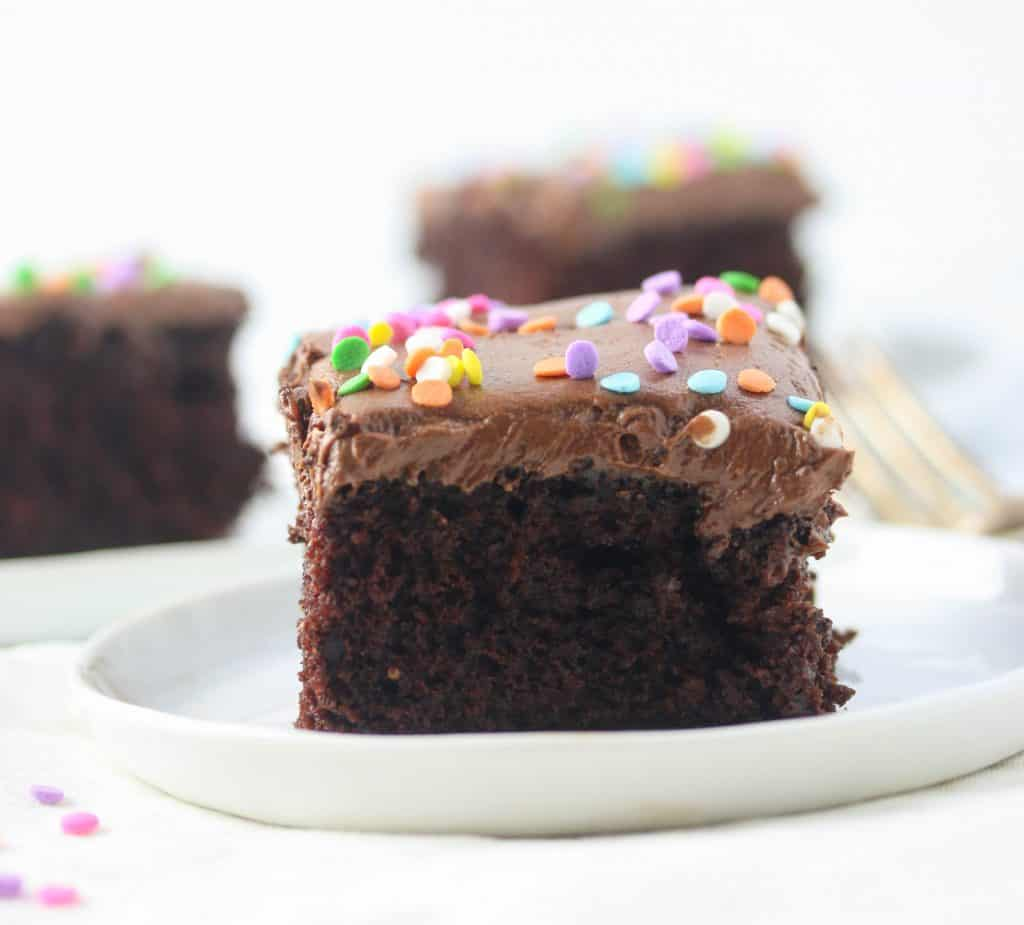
25, 278
82, 282
728, 150
740, 280
349, 353
356, 383
155, 275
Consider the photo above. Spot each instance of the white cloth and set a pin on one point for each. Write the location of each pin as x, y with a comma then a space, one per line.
948, 854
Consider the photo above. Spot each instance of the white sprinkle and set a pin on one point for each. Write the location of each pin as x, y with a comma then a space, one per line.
718, 303
431, 337
789, 309
434, 368
709, 439
826, 432
784, 327
382, 356
458, 310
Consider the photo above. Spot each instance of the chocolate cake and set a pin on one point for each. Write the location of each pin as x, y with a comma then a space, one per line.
601, 524
604, 222
117, 411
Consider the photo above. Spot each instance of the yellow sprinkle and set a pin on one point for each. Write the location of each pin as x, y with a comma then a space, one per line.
471, 363
380, 333
818, 409
457, 370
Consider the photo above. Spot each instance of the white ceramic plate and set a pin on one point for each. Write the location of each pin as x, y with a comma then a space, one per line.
197, 699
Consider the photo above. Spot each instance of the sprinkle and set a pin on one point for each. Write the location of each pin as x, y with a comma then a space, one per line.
383, 377
471, 363
623, 383
642, 306
321, 395
437, 317
473, 327
660, 357
826, 432
740, 281
819, 408
458, 310
10, 886
457, 370
59, 283
417, 358
155, 275
697, 330
799, 404
479, 303
54, 895
789, 309
735, 326
382, 356
755, 380
431, 336
461, 336
44, 793
709, 429
348, 354
432, 393
358, 383
119, 274
774, 290
668, 282
783, 327
435, 367
708, 284
506, 319
452, 347
707, 381
25, 279
594, 315
380, 333
550, 368
350, 330
716, 303
544, 323
581, 360
82, 282
671, 331
751, 309
692, 304
79, 823
403, 325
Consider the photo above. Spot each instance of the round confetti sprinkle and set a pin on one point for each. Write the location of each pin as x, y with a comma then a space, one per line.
380, 333
594, 315
709, 429
550, 368
783, 327
474, 370
697, 330
741, 281
717, 303
432, 337
535, 325
671, 331
622, 383
435, 367
403, 325
642, 307
10, 886
437, 317
417, 358
349, 330
708, 284
383, 377
755, 380
349, 354
432, 393
668, 282
479, 303
581, 360
789, 309
54, 895
44, 793
461, 336
457, 370
472, 327
82, 282
692, 304
751, 309
660, 357
826, 432
799, 404
452, 347
735, 326
357, 383
458, 310
707, 382
119, 274
774, 290
25, 279
818, 409
506, 319
382, 356
79, 823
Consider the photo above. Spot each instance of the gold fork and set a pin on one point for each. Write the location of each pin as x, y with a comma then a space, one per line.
907, 467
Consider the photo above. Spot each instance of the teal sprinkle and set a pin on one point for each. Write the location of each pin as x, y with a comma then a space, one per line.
799, 404
707, 382
594, 315
25, 279
623, 383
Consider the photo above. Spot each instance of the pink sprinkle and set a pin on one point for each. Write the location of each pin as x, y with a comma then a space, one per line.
403, 325
44, 793
10, 886
350, 330
753, 311
642, 306
708, 284
54, 895
79, 823
436, 317
467, 341
479, 303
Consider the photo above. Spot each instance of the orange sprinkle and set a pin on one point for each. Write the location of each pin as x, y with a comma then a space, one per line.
544, 323
432, 393
416, 359
692, 304
321, 395
550, 368
774, 290
59, 283
755, 380
384, 377
451, 347
474, 328
735, 326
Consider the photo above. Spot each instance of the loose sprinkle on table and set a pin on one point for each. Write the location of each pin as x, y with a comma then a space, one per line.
581, 359
735, 326
380, 333
321, 395
594, 315
692, 304
799, 404
383, 377
348, 354
54, 895
755, 380
700, 331
642, 307
550, 368
671, 331
741, 281
818, 409
44, 793
774, 290
10, 886
357, 383
474, 369
623, 383
707, 382
543, 323
432, 393
709, 429
79, 823
668, 282
660, 357
783, 327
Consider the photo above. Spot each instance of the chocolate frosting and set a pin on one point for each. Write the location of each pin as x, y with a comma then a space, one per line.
770, 464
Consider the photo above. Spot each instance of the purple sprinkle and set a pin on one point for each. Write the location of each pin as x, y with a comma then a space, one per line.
581, 359
753, 311
708, 284
120, 274
506, 319
660, 357
671, 331
698, 330
350, 330
462, 336
668, 282
10, 886
403, 324
44, 793
642, 306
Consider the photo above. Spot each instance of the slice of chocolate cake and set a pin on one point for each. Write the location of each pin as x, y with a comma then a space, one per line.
603, 222
600, 524
117, 411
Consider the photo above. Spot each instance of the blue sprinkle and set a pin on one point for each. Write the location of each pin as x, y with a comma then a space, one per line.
629, 167
799, 404
623, 383
594, 315
707, 381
